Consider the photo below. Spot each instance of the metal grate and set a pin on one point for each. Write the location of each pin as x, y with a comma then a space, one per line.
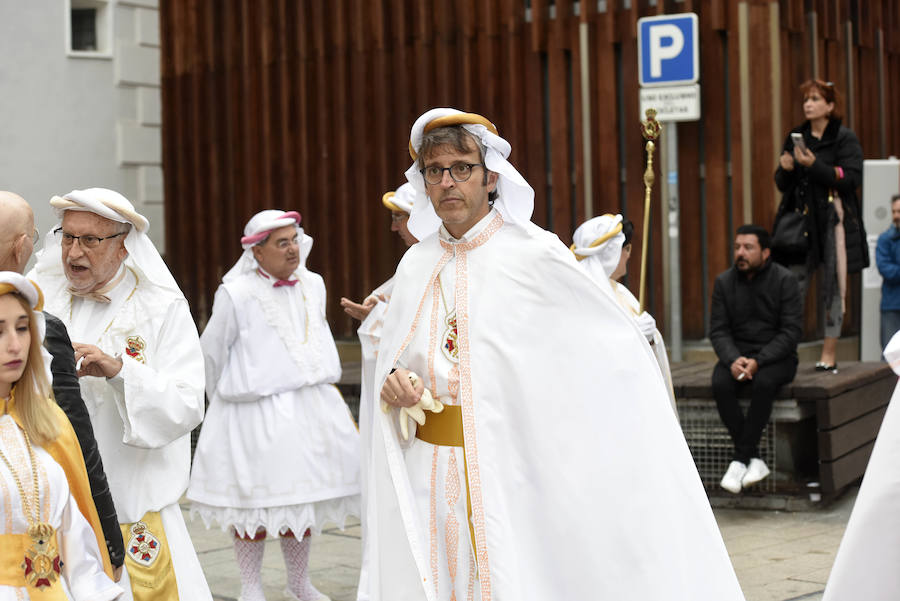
712, 448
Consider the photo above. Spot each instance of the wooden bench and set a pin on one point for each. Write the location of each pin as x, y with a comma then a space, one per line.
822, 429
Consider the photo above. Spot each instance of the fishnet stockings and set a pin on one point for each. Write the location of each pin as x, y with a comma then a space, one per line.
249, 554
296, 560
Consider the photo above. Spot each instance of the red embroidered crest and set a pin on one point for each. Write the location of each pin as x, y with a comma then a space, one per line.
134, 348
451, 338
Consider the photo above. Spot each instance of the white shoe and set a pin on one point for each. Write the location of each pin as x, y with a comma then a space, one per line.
731, 481
756, 471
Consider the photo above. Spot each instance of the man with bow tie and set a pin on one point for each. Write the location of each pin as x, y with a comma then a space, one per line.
271, 365
140, 370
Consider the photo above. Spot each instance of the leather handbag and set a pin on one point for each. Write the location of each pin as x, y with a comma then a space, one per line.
791, 236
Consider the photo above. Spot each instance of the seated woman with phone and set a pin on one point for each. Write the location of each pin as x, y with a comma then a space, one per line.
819, 222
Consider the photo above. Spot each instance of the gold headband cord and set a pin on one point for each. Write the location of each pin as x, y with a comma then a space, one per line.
598, 241
454, 119
386, 201
6, 288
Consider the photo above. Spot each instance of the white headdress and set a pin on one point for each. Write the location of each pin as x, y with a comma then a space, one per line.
257, 230
35, 297
401, 200
515, 198
597, 243
142, 255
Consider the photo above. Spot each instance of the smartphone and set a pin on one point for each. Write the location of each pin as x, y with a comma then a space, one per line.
798, 141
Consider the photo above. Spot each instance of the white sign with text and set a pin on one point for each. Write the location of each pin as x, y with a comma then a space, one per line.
675, 103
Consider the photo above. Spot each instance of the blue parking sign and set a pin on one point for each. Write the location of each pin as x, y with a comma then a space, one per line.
668, 52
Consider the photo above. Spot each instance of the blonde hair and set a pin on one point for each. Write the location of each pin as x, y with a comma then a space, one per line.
34, 402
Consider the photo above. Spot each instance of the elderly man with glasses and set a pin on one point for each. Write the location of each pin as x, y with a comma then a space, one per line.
140, 369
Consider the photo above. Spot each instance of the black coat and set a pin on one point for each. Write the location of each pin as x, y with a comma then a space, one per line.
68, 397
807, 188
758, 318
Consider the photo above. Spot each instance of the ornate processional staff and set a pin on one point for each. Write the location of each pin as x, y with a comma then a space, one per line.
650, 129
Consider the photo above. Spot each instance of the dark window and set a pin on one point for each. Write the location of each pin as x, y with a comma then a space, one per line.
84, 29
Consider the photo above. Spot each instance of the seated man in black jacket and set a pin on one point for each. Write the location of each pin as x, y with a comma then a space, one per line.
755, 325
17, 238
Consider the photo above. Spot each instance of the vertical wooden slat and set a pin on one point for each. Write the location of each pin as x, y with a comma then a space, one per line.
308, 105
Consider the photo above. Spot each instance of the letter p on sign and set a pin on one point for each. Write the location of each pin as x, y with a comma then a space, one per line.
668, 52
659, 51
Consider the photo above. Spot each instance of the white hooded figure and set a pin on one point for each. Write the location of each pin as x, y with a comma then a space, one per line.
538, 465
602, 246
140, 370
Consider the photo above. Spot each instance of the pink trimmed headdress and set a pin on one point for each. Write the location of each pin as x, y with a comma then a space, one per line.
259, 226
257, 229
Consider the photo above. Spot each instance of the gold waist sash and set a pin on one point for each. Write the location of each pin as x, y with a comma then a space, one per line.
446, 429
13, 550
148, 560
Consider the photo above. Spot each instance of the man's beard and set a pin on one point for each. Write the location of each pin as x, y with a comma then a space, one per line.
746, 266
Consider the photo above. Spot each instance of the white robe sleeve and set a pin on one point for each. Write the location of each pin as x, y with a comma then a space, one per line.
82, 563
218, 337
163, 401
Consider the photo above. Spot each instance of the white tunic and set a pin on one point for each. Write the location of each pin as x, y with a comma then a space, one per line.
271, 367
581, 487
143, 416
82, 564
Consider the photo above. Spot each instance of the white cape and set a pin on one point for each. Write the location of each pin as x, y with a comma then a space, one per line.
867, 560
633, 306
582, 484
369, 337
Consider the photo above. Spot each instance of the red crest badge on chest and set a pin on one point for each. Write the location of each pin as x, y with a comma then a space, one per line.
134, 348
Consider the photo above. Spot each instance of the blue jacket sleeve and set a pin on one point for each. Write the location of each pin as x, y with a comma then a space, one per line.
886, 259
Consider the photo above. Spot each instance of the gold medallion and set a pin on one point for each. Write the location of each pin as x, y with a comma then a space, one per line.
42, 564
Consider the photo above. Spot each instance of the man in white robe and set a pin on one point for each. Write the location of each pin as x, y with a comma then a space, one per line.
371, 312
399, 202
602, 246
141, 373
867, 560
279, 452
550, 472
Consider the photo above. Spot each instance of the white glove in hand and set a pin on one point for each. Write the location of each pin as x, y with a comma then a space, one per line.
646, 324
417, 412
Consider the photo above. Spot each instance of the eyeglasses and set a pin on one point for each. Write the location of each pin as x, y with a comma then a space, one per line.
397, 217
459, 172
86, 241
35, 236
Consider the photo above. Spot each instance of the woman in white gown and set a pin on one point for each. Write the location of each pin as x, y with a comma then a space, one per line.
48, 550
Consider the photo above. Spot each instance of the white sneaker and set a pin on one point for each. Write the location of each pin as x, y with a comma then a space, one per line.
731, 481
756, 471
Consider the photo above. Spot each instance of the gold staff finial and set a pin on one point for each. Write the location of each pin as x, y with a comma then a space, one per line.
650, 129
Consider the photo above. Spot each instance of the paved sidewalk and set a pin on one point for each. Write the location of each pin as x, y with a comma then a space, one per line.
778, 556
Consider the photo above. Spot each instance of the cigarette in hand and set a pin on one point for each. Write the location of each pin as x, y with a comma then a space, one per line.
741, 377
80, 359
